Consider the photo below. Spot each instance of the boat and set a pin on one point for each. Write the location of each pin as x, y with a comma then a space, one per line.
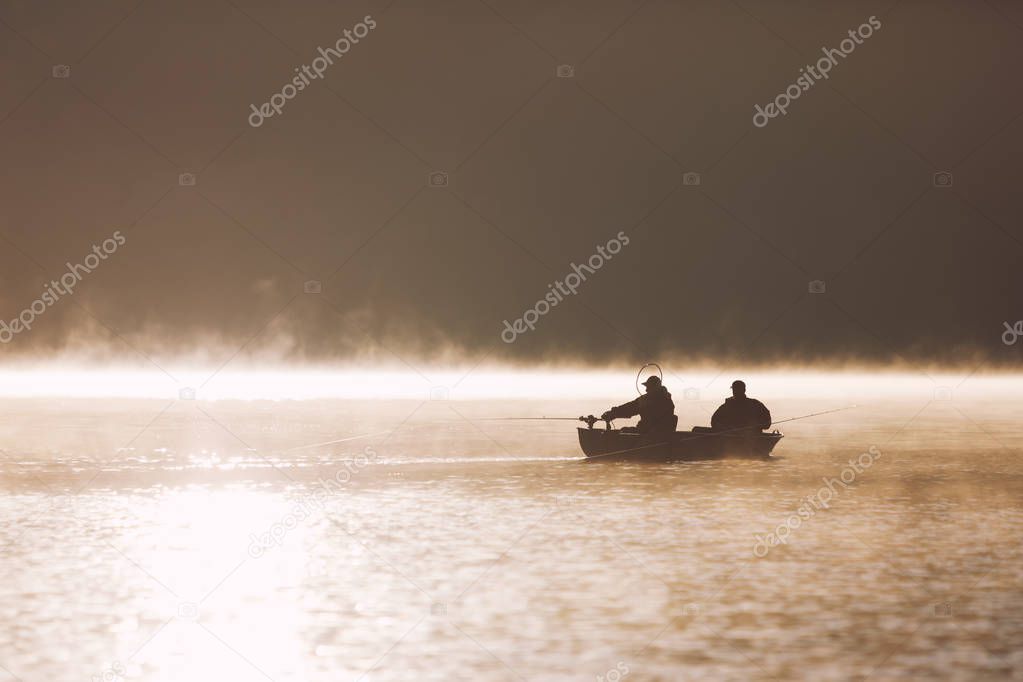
701, 443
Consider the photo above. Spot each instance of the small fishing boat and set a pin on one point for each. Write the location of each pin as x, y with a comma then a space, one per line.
701, 443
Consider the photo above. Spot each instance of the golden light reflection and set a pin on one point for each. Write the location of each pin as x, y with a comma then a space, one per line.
199, 573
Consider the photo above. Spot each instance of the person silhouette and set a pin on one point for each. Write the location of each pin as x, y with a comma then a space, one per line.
740, 412
655, 408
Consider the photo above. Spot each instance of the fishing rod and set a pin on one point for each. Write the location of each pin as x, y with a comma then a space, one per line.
339, 440
815, 414
380, 433
569, 419
542, 419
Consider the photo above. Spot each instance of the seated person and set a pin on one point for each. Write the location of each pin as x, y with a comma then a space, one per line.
740, 413
655, 409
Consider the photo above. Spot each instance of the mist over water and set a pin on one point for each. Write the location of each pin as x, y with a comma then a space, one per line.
216, 540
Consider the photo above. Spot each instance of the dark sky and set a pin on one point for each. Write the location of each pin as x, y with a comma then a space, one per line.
541, 171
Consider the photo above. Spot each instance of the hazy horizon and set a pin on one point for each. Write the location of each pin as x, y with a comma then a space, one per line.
495, 382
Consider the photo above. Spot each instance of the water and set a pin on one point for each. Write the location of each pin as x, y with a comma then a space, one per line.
152, 541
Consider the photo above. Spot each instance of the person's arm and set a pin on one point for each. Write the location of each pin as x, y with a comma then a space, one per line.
629, 409
765, 416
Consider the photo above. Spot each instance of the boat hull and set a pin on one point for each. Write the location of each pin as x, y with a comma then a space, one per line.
695, 445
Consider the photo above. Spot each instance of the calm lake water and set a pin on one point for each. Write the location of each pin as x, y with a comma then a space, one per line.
148, 540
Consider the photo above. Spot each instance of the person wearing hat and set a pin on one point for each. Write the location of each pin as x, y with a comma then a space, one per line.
740, 412
655, 408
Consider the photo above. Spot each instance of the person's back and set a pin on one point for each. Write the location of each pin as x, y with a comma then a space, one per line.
658, 412
741, 412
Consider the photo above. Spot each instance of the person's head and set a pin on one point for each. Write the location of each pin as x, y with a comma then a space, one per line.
739, 388
652, 384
